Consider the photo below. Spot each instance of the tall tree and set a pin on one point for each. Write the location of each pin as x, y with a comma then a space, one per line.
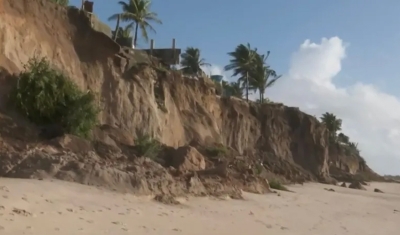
242, 62
332, 123
117, 28
262, 76
137, 11
192, 62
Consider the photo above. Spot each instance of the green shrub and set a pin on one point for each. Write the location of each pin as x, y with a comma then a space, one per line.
274, 184
216, 151
46, 96
148, 147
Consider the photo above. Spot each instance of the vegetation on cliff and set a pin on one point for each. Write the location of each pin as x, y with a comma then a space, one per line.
334, 124
139, 15
46, 96
192, 62
253, 71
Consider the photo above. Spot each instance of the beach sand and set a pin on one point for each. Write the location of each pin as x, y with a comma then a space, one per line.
56, 207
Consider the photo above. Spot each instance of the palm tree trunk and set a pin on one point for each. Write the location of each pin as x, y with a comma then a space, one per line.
136, 31
261, 96
116, 28
247, 86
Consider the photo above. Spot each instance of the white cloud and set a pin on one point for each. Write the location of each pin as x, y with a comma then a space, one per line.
370, 116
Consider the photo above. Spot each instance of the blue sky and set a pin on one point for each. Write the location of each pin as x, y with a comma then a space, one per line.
217, 26
351, 73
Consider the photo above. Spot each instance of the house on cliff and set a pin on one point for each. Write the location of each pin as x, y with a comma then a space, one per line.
167, 56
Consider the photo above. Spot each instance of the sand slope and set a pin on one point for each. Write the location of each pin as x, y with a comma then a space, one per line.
56, 207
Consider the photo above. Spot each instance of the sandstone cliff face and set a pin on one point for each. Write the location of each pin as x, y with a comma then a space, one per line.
345, 162
146, 99
343, 165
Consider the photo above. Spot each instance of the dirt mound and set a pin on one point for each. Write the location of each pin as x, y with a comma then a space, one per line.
141, 176
357, 185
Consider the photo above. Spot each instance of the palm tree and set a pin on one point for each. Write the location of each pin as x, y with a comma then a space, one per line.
332, 123
342, 138
117, 28
192, 62
137, 12
242, 63
262, 76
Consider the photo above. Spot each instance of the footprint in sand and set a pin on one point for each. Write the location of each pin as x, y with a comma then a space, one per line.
4, 188
21, 212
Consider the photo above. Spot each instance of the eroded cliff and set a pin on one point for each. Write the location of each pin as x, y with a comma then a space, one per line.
139, 98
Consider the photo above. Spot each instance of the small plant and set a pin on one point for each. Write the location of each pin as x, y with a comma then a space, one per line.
259, 169
274, 184
216, 151
46, 96
148, 147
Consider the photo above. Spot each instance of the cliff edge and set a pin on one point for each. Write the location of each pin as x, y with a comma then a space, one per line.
138, 96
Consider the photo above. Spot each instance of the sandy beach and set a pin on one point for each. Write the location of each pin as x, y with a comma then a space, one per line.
57, 207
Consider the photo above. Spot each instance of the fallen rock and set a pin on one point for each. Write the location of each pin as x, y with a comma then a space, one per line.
187, 158
377, 190
343, 185
72, 143
357, 185
166, 199
259, 186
